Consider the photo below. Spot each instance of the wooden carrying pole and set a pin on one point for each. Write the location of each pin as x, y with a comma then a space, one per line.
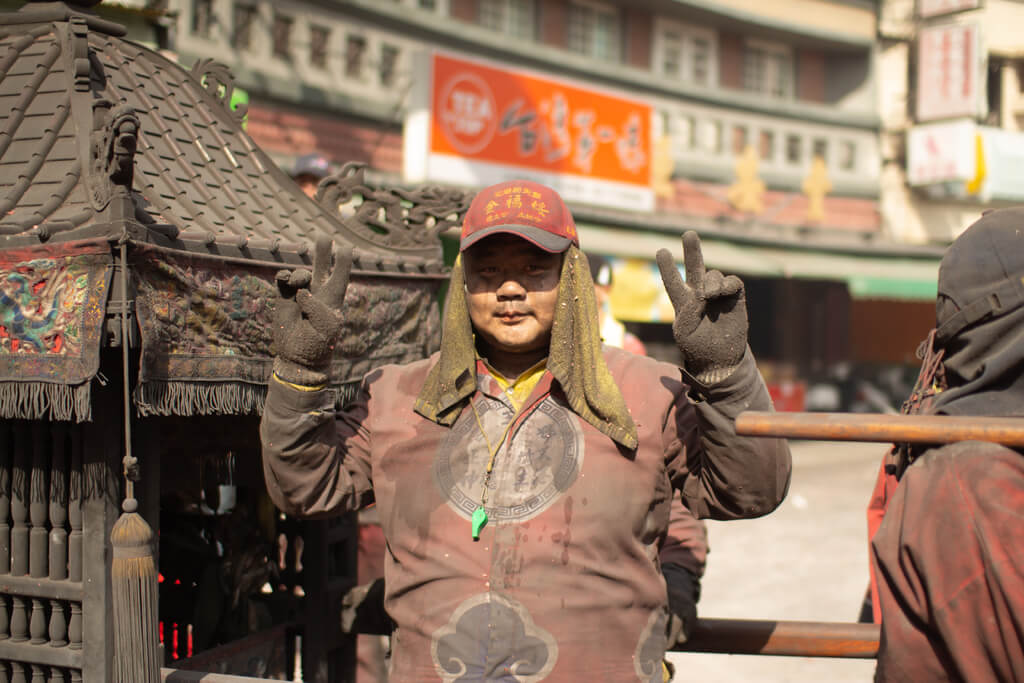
926, 429
784, 638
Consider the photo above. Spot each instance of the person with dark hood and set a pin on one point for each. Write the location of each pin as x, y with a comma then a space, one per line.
524, 474
949, 552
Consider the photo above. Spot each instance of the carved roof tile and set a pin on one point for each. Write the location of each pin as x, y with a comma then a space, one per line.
199, 182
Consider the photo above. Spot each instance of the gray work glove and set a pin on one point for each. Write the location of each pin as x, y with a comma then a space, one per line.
710, 326
307, 321
683, 593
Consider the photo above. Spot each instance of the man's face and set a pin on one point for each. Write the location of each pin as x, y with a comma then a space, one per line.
308, 183
511, 289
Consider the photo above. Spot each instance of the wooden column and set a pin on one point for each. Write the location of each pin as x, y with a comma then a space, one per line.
102, 450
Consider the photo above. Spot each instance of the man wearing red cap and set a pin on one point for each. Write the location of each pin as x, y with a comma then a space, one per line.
524, 474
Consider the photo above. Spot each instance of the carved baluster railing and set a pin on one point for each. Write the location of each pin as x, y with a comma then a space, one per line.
19, 619
75, 627
58, 624
38, 674
5, 619
58, 536
75, 489
37, 624
39, 493
57, 675
20, 473
19, 500
5, 672
18, 673
6, 462
59, 505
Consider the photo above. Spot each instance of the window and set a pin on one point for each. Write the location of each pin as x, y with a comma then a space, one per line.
282, 34
687, 129
672, 54
685, 53
820, 148
711, 137
768, 69
388, 60
766, 145
428, 4
594, 31
355, 53
318, 37
245, 17
794, 149
202, 17
848, 155
516, 18
739, 139
701, 60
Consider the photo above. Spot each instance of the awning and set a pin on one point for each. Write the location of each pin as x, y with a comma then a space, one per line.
639, 294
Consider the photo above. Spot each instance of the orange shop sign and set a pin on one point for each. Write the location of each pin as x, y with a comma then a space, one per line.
489, 124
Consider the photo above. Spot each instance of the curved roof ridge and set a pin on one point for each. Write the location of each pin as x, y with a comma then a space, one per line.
199, 184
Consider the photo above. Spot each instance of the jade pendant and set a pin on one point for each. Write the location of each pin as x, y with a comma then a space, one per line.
479, 521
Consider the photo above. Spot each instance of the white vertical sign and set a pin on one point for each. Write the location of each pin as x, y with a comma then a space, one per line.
941, 153
949, 72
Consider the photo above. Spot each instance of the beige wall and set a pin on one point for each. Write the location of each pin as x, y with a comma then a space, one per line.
1001, 27
821, 15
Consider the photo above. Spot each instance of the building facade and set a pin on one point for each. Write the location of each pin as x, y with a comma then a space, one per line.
952, 114
760, 126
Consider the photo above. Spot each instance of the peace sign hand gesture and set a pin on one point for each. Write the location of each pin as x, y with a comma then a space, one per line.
710, 324
308, 319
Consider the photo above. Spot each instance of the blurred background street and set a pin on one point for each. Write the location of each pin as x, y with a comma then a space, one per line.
806, 561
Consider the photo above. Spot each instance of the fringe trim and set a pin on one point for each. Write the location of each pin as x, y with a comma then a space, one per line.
198, 398
46, 401
164, 397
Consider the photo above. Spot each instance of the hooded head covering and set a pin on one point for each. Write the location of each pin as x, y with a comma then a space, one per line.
537, 214
980, 318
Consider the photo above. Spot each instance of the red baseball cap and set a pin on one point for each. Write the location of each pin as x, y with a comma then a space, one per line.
523, 208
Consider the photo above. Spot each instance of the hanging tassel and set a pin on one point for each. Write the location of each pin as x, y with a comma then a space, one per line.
134, 586
133, 575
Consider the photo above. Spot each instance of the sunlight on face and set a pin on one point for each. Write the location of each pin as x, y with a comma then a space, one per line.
511, 289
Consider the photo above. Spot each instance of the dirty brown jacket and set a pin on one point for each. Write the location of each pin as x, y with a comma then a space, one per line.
950, 560
564, 582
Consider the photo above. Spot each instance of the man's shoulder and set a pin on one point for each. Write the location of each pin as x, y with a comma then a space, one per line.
967, 461
620, 361
643, 377
410, 375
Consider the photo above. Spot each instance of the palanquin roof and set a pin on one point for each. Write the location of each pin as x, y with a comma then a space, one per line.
103, 143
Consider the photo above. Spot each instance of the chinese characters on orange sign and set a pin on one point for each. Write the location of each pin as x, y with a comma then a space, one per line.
498, 118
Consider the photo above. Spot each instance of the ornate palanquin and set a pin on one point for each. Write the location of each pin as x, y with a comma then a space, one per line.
121, 171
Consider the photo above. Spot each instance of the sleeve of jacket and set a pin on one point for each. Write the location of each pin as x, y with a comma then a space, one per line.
686, 542
719, 474
316, 462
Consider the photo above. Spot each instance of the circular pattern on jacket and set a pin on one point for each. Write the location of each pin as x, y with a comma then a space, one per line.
544, 459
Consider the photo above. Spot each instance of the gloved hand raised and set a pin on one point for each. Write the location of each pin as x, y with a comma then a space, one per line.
308, 316
710, 324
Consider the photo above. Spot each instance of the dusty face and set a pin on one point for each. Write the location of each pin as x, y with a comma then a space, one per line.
511, 289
